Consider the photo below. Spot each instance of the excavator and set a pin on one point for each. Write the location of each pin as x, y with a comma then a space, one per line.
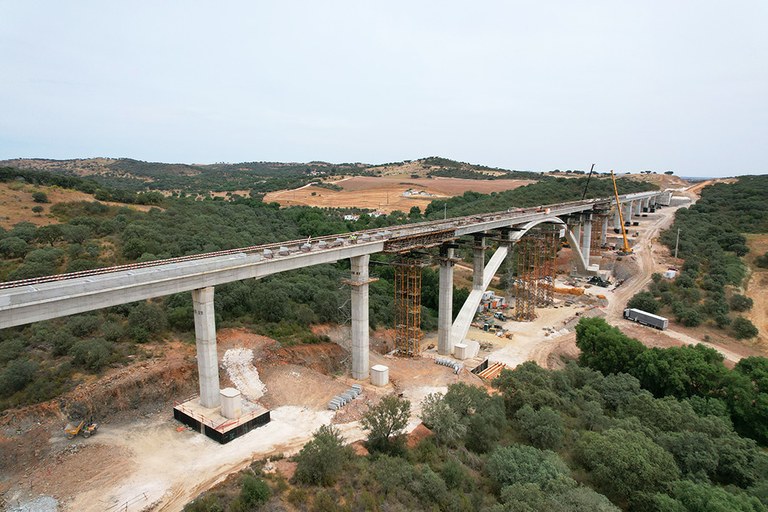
627, 250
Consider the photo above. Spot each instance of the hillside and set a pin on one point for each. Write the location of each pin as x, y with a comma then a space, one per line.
261, 177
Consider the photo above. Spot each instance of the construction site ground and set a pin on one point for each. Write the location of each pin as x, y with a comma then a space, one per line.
141, 459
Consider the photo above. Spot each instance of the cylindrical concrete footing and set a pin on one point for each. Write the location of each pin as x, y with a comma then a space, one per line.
379, 375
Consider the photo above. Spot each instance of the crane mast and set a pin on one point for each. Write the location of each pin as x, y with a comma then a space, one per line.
627, 248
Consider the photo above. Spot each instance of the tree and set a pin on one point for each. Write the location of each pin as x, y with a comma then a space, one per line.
438, 416
622, 462
708, 498
321, 460
743, 328
669, 173
40, 197
385, 424
37, 209
520, 464
51, 234
13, 247
645, 302
543, 428
605, 348
741, 303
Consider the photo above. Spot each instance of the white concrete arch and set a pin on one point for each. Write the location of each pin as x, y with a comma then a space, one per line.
463, 320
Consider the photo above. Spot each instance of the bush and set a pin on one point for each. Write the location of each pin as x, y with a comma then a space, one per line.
741, 303
254, 492
40, 197
92, 354
17, 375
321, 460
762, 261
743, 328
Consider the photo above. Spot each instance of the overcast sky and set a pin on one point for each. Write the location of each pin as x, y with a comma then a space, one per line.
679, 85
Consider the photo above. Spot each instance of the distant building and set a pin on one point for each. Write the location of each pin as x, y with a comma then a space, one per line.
351, 217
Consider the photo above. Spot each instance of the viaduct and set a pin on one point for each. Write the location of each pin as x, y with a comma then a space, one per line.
32, 300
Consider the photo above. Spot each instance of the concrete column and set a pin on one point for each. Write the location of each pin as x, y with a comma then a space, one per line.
359, 283
617, 218
478, 262
445, 308
576, 230
628, 212
638, 207
586, 239
646, 204
205, 339
604, 231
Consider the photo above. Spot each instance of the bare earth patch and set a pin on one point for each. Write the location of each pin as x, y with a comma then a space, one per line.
16, 203
386, 193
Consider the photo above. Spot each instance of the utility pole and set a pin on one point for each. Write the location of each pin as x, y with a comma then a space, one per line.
677, 241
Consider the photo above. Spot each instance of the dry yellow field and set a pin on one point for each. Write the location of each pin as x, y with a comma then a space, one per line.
386, 193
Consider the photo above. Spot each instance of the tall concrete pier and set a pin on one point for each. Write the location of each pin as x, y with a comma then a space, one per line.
586, 237
359, 282
604, 231
205, 339
445, 305
478, 261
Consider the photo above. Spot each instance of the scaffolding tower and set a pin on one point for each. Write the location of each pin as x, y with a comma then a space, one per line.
408, 333
535, 270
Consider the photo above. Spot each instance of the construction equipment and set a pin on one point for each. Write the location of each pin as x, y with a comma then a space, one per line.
584, 195
82, 428
627, 249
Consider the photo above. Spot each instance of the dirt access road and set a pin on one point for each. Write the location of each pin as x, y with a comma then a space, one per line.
147, 461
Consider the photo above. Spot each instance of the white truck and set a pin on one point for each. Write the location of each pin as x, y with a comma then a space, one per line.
645, 318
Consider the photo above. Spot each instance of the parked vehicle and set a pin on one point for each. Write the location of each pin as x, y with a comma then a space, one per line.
645, 318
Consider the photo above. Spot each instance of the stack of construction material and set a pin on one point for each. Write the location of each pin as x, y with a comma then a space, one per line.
450, 364
493, 371
343, 399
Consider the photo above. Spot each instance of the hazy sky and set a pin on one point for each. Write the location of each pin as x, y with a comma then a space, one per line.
630, 85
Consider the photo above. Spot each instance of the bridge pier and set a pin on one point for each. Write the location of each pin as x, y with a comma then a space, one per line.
359, 283
205, 340
638, 207
445, 309
478, 262
604, 231
576, 230
628, 213
586, 239
617, 218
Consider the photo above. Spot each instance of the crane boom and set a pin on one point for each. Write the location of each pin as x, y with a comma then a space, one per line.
627, 248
